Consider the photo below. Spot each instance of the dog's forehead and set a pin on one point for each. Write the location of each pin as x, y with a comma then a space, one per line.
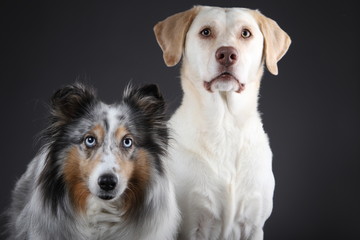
225, 17
109, 117
113, 115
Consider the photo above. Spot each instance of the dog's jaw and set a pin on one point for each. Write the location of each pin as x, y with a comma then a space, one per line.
224, 82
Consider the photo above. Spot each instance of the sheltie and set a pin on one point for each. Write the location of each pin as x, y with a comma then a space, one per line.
100, 173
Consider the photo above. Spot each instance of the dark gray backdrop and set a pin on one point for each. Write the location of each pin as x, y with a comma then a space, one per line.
310, 110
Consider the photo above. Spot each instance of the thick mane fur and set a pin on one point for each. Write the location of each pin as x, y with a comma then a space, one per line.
149, 116
67, 105
100, 171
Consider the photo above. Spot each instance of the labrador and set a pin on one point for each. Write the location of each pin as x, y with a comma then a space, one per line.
220, 159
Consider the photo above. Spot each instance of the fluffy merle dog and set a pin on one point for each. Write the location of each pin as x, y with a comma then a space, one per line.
100, 173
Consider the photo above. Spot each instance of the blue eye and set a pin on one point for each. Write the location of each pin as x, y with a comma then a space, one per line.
90, 141
127, 142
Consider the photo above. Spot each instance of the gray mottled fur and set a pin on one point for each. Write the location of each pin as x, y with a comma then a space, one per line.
33, 214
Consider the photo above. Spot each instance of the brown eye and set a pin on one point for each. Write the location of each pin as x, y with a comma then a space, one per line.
206, 32
245, 33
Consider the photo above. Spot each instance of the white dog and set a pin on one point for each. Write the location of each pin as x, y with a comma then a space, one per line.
221, 161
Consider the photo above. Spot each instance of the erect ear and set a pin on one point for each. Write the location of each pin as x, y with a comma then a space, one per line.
148, 99
71, 102
276, 41
170, 34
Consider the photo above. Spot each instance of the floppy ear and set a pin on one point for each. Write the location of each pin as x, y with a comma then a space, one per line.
71, 102
276, 41
170, 34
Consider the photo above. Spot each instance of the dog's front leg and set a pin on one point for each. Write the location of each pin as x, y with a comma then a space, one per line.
202, 228
258, 234
201, 224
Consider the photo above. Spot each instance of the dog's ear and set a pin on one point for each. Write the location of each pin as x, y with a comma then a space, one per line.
71, 102
170, 34
148, 99
276, 41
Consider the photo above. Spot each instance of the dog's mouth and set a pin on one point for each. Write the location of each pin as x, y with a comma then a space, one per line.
225, 81
106, 196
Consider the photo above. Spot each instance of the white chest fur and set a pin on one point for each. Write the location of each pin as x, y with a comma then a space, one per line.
223, 174
102, 219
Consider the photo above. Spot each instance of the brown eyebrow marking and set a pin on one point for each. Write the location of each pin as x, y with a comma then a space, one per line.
121, 132
98, 131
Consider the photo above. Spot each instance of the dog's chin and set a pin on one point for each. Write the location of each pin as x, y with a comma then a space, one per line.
225, 82
107, 196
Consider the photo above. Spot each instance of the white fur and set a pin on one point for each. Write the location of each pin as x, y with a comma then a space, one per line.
220, 159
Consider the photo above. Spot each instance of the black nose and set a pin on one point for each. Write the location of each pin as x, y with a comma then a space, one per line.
226, 56
107, 182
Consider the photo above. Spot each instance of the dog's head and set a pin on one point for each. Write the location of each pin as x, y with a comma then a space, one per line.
223, 48
105, 151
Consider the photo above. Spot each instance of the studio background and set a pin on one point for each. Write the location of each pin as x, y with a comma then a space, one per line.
311, 110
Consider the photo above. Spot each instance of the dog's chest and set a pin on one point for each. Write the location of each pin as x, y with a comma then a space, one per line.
232, 168
223, 164
234, 176
222, 149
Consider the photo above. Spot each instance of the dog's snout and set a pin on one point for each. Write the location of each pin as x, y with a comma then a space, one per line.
107, 182
226, 56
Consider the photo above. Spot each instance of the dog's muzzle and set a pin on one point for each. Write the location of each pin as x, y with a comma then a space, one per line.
226, 57
225, 82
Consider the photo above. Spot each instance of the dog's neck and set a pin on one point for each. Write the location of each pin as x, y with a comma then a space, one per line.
215, 107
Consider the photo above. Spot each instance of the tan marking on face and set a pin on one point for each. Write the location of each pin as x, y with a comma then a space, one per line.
126, 168
79, 166
138, 182
126, 165
75, 178
88, 165
99, 132
120, 133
